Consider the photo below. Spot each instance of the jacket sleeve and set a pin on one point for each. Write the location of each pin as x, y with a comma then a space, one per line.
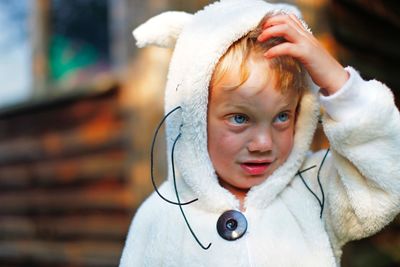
362, 124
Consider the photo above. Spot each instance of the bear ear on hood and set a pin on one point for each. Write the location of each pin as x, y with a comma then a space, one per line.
161, 30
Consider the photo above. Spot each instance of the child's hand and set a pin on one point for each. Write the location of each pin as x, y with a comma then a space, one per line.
324, 70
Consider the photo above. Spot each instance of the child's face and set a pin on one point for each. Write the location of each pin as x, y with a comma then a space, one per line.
250, 128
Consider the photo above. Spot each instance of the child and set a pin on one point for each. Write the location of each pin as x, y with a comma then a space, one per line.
243, 188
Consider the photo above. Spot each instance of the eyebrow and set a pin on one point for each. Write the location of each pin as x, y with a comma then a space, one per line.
244, 106
236, 105
287, 105
229, 88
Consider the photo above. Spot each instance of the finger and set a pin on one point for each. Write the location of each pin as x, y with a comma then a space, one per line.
296, 20
273, 20
280, 30
282, 19
290, 20
283, 49
301, 24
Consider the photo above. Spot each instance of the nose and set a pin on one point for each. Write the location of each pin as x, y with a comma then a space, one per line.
261, 140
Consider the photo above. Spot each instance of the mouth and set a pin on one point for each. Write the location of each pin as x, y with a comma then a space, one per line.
256, 167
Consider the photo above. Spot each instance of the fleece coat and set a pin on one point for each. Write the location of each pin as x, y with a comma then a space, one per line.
360, 175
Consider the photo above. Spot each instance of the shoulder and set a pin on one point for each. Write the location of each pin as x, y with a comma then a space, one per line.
149, 210
144, 228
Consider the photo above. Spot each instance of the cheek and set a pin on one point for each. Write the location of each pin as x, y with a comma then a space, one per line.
222, 145
285, 143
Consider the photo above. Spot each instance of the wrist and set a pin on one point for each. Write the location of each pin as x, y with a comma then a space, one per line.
349, 99
338, 80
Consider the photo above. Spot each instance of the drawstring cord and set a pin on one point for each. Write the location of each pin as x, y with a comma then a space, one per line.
152, 161
174, 178
177, 197
320, 201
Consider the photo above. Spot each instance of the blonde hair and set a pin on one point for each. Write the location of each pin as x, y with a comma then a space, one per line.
289, 73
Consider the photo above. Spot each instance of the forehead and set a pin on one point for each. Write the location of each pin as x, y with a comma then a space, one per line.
261, 79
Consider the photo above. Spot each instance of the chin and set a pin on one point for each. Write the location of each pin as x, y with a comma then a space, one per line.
254, 183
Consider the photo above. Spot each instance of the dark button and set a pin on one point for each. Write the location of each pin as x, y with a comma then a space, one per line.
231, 225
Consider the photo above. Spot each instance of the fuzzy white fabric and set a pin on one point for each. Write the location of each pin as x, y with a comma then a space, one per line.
361, 177
162, 30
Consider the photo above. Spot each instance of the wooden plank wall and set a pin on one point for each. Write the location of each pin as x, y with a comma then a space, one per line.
64, 192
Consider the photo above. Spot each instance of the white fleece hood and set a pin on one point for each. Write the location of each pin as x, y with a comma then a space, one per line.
199, 41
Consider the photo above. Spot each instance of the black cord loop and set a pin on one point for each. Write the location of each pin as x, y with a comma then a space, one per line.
152, 162
174, 177
179, 201
321, 202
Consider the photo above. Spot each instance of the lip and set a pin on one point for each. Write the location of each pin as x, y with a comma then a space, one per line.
256, 167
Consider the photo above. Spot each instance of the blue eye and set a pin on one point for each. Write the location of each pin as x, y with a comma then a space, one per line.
238, 119
282, 117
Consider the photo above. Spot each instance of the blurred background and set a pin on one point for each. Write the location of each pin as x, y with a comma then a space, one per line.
79, 104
